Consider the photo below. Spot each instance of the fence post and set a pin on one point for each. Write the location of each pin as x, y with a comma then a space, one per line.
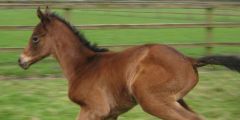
209, 30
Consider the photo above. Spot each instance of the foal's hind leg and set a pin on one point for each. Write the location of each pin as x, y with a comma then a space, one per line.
165, 107
160, 97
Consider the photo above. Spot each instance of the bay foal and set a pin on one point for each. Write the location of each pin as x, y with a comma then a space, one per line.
106, 84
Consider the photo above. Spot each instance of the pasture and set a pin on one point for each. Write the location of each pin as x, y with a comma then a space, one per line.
216, 96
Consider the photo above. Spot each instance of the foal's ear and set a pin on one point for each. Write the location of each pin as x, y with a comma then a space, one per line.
39, 13
47, 10
43, 17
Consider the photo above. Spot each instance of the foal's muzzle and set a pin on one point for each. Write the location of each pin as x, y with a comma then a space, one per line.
23, 62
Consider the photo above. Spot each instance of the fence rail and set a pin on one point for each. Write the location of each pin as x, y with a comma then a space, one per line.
138, 26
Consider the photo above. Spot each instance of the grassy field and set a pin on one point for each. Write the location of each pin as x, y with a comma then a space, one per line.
216, 97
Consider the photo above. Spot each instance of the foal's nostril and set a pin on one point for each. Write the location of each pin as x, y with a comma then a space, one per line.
19, 61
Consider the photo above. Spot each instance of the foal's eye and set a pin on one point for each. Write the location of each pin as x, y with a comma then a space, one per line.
35, 39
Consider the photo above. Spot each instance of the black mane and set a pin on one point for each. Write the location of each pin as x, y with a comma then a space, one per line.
81, 37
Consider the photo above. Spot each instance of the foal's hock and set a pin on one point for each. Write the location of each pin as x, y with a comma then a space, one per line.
106, 84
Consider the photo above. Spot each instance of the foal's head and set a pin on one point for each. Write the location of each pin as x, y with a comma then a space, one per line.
46, 34
39, 45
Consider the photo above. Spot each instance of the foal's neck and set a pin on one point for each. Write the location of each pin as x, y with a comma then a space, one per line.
70, 52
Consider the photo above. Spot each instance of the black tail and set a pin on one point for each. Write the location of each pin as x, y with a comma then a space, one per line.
231, 62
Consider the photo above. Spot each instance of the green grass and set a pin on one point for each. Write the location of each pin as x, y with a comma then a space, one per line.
216, 97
